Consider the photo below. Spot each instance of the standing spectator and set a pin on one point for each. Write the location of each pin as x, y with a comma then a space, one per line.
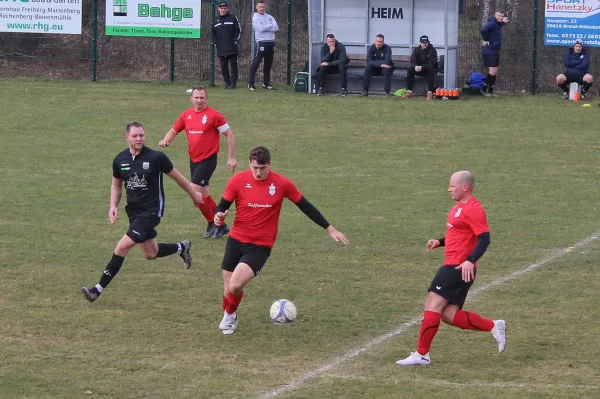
379, 62
423, 62
226, 33
265, 27
333, 60
491, 41
577, 62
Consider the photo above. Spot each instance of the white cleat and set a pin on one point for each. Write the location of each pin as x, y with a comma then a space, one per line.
499, 332
229, 323
415, 359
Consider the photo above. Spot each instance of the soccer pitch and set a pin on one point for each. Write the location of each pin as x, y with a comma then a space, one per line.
378, 169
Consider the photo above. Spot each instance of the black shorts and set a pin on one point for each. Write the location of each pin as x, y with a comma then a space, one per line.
448, 283
141, 226
202, 171
491, 60
572, 78
237, 252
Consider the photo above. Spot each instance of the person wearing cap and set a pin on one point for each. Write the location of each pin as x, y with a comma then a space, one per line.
265, 27
379, 62
423, 62
491, 41
577, 62
226, 33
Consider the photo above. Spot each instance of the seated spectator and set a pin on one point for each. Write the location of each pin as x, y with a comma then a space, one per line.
423, 62
577, 62
333, 60
379, 62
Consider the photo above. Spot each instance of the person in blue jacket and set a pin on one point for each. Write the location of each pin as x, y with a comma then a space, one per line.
577, 62
379, 62
491, 42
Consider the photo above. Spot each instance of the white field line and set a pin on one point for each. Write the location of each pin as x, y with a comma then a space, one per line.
316, 372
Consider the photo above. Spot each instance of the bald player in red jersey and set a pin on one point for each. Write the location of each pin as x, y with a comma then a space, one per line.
258, 194
467, 238
203, 126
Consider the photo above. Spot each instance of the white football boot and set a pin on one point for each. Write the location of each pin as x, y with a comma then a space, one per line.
229, 323
499, 332
415, 359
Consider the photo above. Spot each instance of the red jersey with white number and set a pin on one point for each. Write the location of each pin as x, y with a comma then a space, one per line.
202, 130
258, 205
464, 223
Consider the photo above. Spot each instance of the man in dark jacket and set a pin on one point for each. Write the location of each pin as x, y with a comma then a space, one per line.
577, 62
423, 62
226, 33
491, 41
379, 62
333, 60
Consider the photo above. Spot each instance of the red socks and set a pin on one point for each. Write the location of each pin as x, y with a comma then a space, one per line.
429, 327
233, 301
225, 302
472, 321
208, 209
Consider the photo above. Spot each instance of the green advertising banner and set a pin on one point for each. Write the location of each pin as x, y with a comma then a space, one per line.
154, 18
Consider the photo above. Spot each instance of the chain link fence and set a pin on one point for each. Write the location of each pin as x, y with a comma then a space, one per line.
525, 63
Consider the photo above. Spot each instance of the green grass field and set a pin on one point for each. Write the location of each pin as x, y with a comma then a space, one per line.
378, 169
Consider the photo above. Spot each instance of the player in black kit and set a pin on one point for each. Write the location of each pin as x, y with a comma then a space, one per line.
141, 169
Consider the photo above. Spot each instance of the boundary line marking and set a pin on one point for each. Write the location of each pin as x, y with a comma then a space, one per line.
298, 382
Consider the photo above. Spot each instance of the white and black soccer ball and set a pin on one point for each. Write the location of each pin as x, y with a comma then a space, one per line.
283, 311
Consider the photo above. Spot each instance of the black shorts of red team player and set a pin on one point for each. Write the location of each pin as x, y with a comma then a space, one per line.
202, 171
448, 284
237, 252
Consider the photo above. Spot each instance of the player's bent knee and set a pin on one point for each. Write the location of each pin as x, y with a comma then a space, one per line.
588, 78
560, 79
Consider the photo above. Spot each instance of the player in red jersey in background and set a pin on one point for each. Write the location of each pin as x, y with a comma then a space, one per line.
202, 126
467, 238
258, 194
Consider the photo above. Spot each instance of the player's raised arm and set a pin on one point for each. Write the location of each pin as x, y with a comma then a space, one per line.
313, 213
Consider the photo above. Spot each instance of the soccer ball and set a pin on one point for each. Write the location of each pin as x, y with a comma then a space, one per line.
283, 312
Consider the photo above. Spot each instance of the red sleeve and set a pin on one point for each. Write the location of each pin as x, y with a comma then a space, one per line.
219, 121
179, 125
291, 192
477, 220
230, 193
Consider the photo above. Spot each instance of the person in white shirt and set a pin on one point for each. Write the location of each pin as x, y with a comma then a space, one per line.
265, 27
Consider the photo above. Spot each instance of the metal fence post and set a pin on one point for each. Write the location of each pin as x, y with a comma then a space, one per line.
172, 59
94, 40
211, 80
534, 53
289, 42
253, 44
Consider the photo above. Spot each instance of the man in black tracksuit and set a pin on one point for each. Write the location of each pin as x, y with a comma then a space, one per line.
226, 33
423, 62
333, 60
379, 62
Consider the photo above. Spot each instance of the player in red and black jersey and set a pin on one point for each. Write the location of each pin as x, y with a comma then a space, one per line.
467, 238
203, 127
258, 194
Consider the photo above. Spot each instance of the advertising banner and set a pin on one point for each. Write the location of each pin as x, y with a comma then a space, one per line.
567, 20
41, 16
